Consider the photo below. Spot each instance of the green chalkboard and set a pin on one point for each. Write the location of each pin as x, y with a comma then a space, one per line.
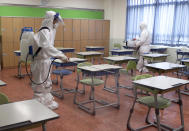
25, 11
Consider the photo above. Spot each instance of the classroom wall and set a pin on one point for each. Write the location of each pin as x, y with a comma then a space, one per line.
88, 4
115, 11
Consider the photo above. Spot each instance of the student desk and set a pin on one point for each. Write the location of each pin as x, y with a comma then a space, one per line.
99, 70
17, 52
119, 59
24, 114
158, 49
127, 47
155, 57
94, 48
72, 62
186, 62
183, 53
160, 85
65, 50
164, 67
122, 52
2, 83
90, 55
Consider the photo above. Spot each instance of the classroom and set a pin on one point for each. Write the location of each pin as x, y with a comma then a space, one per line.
94, 65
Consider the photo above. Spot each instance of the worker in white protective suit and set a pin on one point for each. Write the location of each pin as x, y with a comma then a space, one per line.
143, 46
44, 39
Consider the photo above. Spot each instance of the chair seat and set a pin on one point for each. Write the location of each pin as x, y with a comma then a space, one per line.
149, 101
88, 81
62, 72
3, 99
123, 71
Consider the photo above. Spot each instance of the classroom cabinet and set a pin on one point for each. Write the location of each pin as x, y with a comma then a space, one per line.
92, 29
68, 31
76, 33
106, 30
98, 29
77, 45
7, 41
17, 25
84, 43
29, 22
76, 29
84, 29
37, 24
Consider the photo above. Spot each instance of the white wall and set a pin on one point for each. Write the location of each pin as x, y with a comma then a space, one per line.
115, 11
88, 4
26, 2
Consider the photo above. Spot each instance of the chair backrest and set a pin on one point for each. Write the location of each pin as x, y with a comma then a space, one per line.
131, 65
117, 45
83, 64
3, 99
143, 76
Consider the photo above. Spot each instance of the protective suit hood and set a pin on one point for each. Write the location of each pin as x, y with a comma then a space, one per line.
49, 17
143, 26
48, 21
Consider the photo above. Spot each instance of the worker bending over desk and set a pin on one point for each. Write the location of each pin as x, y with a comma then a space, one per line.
143, 46
44, 39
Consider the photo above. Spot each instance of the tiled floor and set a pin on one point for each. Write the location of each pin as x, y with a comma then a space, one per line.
106, 119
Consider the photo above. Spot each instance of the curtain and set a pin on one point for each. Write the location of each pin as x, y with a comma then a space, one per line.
168, 20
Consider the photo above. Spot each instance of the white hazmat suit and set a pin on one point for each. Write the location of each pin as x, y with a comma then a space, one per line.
143, 45
41, 63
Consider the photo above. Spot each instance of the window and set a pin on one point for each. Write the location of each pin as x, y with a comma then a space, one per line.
168, 20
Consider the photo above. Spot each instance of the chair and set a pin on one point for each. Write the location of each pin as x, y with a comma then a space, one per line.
87, 81
147, 101
117, 46
179, 55
79, 71
60, 93
3, 99
131, 67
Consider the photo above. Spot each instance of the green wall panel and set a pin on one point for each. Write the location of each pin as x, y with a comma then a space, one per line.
40, 12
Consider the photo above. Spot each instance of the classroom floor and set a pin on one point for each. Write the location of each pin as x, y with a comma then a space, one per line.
106, 119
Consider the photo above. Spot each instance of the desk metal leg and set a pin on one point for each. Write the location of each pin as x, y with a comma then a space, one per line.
181, 109
60, 92
55, 81
43, 126
131, 111
181, 116
117, 89
185, 91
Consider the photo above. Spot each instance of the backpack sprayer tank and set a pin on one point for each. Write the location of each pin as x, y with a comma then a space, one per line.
26, 42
